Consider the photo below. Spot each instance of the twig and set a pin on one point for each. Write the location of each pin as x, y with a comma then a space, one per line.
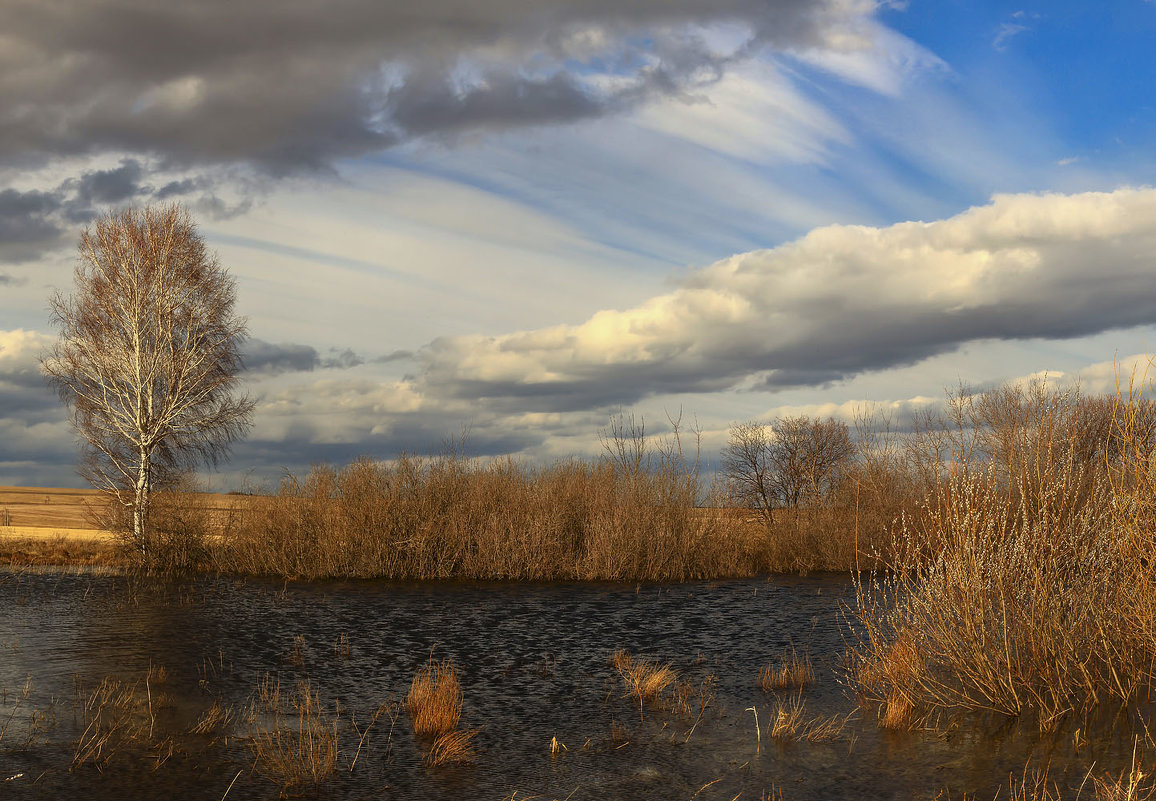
758, 731
230, 787
149, 692
708, 784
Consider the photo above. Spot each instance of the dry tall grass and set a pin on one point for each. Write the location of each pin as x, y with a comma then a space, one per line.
32, 548
791, 723
450, 516
434, 704
644, 679
791, 672
435, 699
1025, 583
1135, 785
450, 747
115, 714
303, 752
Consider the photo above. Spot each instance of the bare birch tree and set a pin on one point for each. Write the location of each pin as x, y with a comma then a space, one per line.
148, 356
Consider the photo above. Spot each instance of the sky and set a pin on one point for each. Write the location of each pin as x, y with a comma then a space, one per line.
516, 219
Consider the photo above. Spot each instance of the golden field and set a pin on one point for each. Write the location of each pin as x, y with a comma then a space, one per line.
55, 511
30, 510
56, 525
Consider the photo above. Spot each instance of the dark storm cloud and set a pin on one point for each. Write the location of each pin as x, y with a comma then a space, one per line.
292, 85
109, 187
178, 188
272, 359
29, 224
342, 359
99, 189
266, 357
36, 222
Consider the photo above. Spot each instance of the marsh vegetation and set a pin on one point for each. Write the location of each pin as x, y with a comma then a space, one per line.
999, 595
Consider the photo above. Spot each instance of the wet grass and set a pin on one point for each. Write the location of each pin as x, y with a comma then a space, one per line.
299, 749
644, 679
790, 723
1020, 588
434, 702
792, 671
451, 747
298, 742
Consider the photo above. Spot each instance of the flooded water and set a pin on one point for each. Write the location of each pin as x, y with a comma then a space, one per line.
534, 663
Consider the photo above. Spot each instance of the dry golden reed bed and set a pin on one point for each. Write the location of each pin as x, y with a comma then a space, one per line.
449, 517
1024, 583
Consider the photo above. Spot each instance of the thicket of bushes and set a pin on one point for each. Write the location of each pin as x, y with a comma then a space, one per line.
451, 517
1023, 582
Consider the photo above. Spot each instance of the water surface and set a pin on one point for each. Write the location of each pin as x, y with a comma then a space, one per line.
534, 665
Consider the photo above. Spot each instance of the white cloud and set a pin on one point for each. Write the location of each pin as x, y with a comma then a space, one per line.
840, 301
20, 349
1006, 32
1135, 372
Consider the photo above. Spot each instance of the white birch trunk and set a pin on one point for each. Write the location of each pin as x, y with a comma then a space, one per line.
140, 505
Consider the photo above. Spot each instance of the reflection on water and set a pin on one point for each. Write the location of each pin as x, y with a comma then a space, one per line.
534, 665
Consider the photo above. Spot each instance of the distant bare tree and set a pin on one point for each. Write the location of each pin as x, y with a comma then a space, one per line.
148, 356
746, 463
791, 462
807, 457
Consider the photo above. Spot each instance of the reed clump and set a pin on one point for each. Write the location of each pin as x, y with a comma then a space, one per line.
644, 679
792, 671
451, 747
217, 718
434, 702
298, 749
791, 723
1033, 785
690, 700
1024, 583
1135, 785
116, 715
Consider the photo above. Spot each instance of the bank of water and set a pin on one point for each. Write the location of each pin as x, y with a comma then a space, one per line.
534, 663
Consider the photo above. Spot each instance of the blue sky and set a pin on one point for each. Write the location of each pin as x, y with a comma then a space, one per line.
526, 222
1084, 69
